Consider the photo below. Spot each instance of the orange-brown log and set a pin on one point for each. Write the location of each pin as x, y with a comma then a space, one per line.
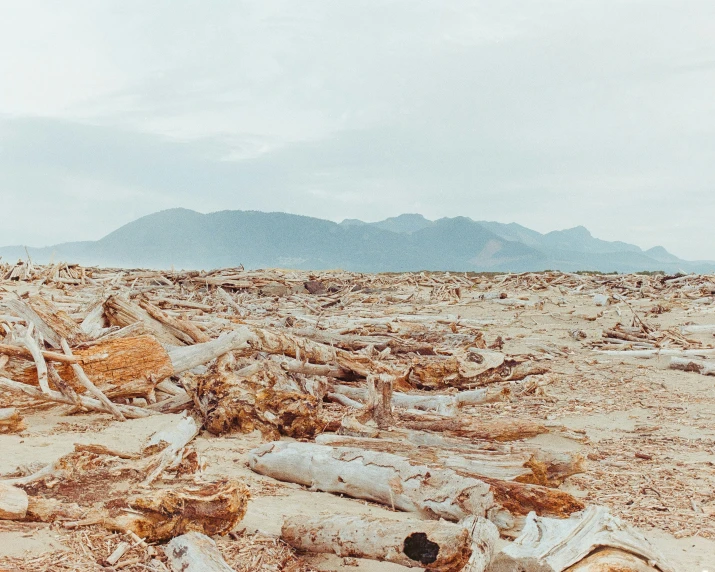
464, 426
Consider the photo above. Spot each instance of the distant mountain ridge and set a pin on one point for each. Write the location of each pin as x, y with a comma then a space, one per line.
183, 238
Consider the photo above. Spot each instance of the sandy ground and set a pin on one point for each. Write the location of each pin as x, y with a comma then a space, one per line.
620, 406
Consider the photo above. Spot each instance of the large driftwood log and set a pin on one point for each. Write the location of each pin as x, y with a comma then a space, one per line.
553, 545
13, 502
195, 552
187, 358
536, 468
610, 560
11, 421
429, 545
394, 481
183, 326
703, 367
125, 367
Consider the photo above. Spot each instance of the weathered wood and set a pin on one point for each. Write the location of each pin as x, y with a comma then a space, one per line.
195, 552
87, 402
394, 481
169, 442
11, 421
703, 367
611, 560
553, 545
122, 312
429, 545
13, 502
184, 326
186, 358
24, 353
129, 367
472, 427
50, 322
378, 403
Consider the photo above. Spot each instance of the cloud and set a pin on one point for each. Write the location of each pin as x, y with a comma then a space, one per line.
549, 114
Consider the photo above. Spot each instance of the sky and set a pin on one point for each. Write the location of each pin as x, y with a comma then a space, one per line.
552, 114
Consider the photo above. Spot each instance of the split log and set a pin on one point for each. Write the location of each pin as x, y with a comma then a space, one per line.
50, 322
195, 552
553, 545
703, 367
260, 396
125, 367
13, 502
484, 536
169, 442
122, 312
394, 481
429, 545
11, 421
503, 429
378, 405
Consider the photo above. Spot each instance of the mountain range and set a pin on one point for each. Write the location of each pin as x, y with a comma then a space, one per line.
182, 238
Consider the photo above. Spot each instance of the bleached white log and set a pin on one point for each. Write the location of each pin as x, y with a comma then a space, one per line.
698, 329
170, 440
552, 545
195, 552
184, 358
659, 352
13, 502
484, 536
429, 545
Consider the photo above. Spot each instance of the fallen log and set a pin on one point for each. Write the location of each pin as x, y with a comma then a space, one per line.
13, 502
50, 322
536, 468
429, 545
703, 367
122, 312
11, 421
554, 545
184, 326
471, 427
394, 481
609, 559
194, 552
124, 367
169, 443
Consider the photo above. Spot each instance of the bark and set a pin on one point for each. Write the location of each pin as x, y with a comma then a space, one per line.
429, 545
394, 481
11, 421
554, 545
13, 502
195, 552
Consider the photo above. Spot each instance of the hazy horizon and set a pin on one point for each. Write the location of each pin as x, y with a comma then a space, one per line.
551, 115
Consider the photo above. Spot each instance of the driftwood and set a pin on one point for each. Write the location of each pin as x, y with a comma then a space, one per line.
703, 367
50, 322
13, 502
194, 552
532, 467
125, 367
609, 559
11, 421
260, 396
497, 430
122, 312
170, 442
553, 545
429, 545
394, 481
184, 327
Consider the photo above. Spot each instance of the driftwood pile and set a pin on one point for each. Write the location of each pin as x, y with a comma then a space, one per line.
383, 408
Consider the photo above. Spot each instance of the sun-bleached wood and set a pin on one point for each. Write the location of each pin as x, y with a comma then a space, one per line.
194, 552
13, 502
428, 545
553, 545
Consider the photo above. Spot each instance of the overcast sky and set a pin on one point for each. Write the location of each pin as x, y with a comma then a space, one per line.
551, 114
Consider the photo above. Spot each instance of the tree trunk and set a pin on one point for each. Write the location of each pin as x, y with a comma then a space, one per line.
473, 428
395, 481
122, 312
429, 545
52, 323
